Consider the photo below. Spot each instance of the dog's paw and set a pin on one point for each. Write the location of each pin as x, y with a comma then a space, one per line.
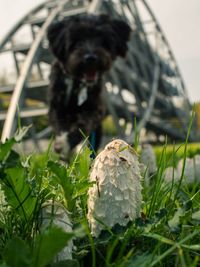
61, 145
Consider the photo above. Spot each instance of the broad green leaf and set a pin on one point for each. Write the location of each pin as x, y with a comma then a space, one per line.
5, 149
84, 162
58, 169
175, 221
67, 263
12, 160
17, 253
18, 192
48, 244
4, 265
64, 180
196, 215
142, 260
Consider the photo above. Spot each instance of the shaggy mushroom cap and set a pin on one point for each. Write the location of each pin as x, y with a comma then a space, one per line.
116, 197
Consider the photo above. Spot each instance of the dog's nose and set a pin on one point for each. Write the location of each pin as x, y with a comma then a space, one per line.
90, 58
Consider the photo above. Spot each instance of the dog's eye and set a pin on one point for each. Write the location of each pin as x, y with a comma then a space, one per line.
71, 47
79, 44
107, 45
75, 45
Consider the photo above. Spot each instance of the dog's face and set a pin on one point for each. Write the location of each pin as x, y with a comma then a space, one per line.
86, 45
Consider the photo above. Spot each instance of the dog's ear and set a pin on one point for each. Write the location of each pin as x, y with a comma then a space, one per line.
56, 37
122, 31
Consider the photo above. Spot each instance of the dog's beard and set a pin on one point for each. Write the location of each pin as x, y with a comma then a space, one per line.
89, 73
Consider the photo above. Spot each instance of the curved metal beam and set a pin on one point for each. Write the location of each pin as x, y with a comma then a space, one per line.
94, 6
20, 23
167, 44
176, 68
151, 102
7, 129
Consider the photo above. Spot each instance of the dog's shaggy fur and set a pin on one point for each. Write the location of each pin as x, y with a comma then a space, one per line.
84, 47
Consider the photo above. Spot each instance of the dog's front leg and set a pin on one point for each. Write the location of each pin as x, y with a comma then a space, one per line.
59, 125
62, 145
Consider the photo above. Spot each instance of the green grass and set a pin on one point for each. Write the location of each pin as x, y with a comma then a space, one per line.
166, 234
192, 150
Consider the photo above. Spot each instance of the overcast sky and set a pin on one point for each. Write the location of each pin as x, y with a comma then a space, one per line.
179, 19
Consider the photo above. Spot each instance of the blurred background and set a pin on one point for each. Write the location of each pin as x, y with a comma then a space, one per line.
179, 20
157, 90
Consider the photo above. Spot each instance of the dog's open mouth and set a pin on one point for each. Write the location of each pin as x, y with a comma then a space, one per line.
90, 76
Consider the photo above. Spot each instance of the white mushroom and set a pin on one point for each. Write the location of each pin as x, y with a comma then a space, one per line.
115, 198
148, 159
169, 173
197, 167
3, 201
53, 213
189, 171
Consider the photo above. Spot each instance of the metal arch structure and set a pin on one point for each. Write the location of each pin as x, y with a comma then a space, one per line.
147, 85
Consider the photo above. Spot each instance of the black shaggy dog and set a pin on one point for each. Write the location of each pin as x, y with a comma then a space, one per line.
84, 47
